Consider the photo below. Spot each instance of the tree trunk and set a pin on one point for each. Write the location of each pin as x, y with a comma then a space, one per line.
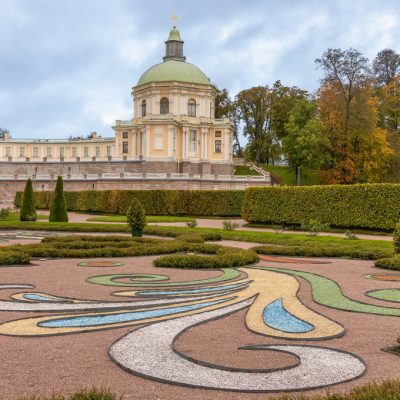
298, 175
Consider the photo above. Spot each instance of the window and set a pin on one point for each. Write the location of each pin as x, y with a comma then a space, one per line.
158, 139
143, 108
86, 152
22, 151
125, 147
192, 142
8, 151
124, 135
108, 151
164, 106
61, 152
74, 152
192, 108
35, 152
217, 133
97, 151
48, 152
218, 146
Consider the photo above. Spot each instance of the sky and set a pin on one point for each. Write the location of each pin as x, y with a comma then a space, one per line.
67, 66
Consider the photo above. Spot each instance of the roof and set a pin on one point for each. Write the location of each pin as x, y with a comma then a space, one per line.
174, 70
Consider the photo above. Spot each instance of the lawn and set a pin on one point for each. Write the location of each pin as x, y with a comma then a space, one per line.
245, 170
149, 218
288, 176
14, 216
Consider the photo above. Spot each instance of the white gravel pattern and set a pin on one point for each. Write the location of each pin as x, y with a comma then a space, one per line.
47, 306
16, 286
148, 351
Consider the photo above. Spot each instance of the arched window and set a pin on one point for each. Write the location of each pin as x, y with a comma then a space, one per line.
143, 108
192, 108
164, 106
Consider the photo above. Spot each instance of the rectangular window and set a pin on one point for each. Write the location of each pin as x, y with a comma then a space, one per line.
61, 152
125, 147
22, 151
217, 133
97, 151
218, 146
35, 152
48, 152
74, 152
124, 135
108, 151
86, 152
8, 151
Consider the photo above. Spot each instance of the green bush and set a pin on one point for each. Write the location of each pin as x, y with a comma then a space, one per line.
191, 237
82, 394
136, 217
4, 213
219, 203
389, 262
230, 225
224, 258
58, 210
28, 210
13, 257
368, 206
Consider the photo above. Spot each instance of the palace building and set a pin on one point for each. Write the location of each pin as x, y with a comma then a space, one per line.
172, 130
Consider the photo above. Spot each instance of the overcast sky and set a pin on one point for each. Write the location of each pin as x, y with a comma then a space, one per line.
67, 66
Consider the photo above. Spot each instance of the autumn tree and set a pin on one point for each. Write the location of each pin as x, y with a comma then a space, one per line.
305, 144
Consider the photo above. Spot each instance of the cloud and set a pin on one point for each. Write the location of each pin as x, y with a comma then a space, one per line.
68, 67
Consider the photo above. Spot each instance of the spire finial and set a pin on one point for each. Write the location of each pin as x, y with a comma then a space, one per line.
174, 19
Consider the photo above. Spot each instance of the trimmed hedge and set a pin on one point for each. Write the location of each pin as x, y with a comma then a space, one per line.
228, 257
396, 239
389, 262
369, 206
219, 203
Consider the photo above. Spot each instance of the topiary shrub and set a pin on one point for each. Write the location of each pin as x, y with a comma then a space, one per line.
28, 210
58, 210
389, 262
136, 217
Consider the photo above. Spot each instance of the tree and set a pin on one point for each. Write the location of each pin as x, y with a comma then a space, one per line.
360, 154
254, 107
386, 66
58, 210
136, 217
226, 107
28, 210
305, 144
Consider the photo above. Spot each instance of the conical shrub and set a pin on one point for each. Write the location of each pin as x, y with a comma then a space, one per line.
58, 210
136, 217
28, 210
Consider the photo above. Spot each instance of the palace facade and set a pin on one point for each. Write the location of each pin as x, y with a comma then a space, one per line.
173, 128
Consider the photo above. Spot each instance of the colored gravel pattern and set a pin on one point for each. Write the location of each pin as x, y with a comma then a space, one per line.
385, 294
275, 316
328, 293
100, 264
393, 278
149, 352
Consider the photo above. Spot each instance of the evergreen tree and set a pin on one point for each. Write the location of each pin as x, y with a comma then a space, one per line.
136, 217
28, 210
58, 210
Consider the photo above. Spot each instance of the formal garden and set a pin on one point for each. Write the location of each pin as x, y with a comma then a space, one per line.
207, 294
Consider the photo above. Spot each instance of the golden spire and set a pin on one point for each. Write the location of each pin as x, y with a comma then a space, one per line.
174, 19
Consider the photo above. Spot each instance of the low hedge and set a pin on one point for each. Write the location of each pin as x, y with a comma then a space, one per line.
396, 238
224, 258
14, 257
368, 206
220, 203
389, 262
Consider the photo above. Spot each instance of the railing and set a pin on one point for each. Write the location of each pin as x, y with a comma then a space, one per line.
140, 176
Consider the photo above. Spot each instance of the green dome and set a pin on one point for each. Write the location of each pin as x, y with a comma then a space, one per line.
173, 70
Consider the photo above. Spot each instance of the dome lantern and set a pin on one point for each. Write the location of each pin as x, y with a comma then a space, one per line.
174, 46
